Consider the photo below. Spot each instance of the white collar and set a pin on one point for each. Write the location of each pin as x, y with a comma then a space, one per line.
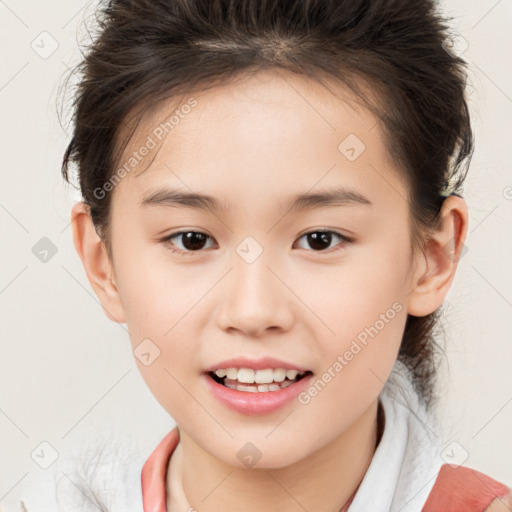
407, 460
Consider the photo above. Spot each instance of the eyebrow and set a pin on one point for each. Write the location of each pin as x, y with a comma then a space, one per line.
175, 198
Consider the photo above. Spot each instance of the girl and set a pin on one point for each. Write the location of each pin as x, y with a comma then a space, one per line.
272, 204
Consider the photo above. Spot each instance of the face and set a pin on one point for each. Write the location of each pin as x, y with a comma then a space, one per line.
316, 285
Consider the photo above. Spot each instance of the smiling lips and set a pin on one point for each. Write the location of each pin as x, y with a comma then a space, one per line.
256, 398
256, 386
256, 375
256, 381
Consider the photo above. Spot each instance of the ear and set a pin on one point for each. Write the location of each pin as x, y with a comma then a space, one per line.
437, 263
98, 267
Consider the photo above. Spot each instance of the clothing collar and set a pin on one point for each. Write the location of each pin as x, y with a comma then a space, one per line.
154, 473
407, 461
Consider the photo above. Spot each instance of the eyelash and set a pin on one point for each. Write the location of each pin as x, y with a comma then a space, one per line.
167, 241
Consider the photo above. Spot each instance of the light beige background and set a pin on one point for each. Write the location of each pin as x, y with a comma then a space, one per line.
67, 372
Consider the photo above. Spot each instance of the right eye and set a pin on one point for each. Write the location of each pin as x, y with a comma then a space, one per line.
191, 241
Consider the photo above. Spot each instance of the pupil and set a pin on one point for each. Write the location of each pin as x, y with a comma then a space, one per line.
319, 239
193, 240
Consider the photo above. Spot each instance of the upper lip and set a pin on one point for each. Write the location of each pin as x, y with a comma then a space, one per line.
255, 364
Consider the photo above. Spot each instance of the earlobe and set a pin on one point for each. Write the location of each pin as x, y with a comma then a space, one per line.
98, 267
439, 259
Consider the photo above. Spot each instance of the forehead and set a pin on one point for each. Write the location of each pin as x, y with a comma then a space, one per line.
260, 133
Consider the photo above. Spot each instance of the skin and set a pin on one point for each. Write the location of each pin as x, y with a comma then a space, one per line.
295, 302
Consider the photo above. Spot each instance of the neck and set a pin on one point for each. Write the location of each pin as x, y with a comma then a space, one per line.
324, 481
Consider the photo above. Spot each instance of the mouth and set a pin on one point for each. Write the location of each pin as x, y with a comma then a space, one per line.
257, 381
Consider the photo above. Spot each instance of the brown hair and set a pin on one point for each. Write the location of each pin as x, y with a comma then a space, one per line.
150, 50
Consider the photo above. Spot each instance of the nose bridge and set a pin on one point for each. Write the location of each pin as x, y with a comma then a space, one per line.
254, 299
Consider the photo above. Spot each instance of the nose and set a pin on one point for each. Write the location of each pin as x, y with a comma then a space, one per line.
255, 299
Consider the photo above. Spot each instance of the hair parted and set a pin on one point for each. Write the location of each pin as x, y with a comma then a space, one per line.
390, 53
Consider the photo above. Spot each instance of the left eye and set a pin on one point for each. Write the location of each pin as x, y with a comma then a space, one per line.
321, 240
194, 241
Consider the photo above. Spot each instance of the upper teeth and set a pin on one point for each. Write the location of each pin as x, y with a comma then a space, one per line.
250, 376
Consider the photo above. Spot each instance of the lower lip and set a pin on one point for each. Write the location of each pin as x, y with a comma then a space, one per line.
257, 403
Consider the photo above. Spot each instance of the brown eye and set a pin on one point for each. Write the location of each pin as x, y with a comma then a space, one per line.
321, 240
191, 241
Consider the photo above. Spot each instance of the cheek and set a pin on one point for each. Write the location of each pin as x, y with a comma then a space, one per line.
366, 344
156, 293
166, 358
363, 308
356, 294
357, 361
160, 305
